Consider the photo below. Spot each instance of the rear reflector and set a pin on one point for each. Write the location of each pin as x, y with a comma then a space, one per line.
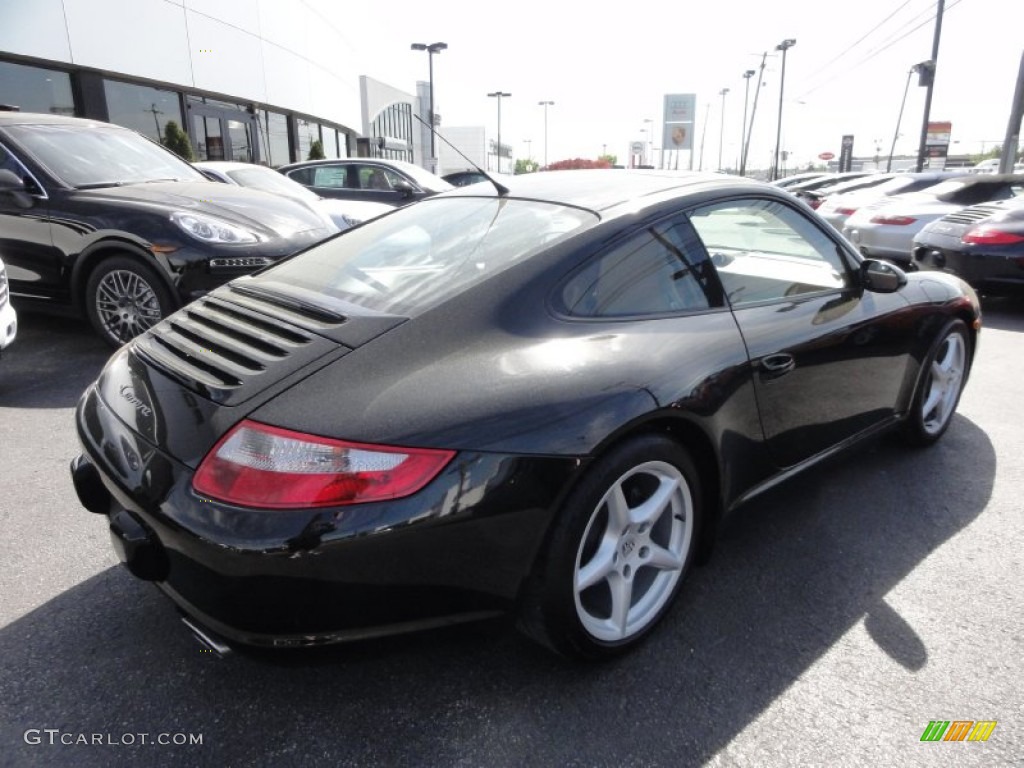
899, 221
257, 465
986, 236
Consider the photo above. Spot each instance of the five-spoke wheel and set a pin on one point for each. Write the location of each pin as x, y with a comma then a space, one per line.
938, 393
618, 552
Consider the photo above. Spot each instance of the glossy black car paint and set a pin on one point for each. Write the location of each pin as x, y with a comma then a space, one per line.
527, 395
52, 244
992, 269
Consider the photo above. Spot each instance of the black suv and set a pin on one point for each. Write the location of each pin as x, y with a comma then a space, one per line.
96, 219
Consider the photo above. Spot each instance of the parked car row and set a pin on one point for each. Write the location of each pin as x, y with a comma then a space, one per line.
98, 221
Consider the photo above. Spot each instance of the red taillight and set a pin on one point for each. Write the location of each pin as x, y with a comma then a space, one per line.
846, 211
815, 203
986, 236
899, 221
256, 465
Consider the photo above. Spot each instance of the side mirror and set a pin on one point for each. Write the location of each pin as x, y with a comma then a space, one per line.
404, 187
881, 276
12, 185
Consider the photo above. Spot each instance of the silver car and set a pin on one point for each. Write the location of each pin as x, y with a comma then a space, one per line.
344, 213
838, 207
885, 229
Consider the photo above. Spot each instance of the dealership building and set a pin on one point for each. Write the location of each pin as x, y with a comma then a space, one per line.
248, 80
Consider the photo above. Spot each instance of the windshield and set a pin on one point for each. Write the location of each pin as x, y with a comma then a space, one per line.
423, 178
268, 180
101, 155
419, 256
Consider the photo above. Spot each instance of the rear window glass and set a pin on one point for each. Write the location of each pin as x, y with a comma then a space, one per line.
419, 256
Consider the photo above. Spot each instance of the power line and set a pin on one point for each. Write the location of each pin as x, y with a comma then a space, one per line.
884, 46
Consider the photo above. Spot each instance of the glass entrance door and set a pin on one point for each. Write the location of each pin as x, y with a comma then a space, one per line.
223, 134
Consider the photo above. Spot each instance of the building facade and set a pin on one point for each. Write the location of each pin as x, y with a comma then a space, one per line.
250, 80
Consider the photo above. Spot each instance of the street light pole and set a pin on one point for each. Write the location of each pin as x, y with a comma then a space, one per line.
721, 128
529, 152
498, 95
431, 49
546, 104
743, 128
899, 119
649, 123
784, 46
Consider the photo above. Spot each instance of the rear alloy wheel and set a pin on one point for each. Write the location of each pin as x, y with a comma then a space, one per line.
125, 298
942, 381
618, 555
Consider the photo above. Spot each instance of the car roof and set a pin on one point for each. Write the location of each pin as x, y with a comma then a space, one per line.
604, 189
39, 118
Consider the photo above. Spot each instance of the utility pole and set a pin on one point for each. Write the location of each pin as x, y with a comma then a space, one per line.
922, 147
721, 128
743, 128
753, 114
896, 135
1013, 128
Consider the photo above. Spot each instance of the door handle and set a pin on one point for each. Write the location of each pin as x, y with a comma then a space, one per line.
774, 366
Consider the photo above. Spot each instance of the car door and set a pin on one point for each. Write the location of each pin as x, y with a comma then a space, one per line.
828, 358
34, 265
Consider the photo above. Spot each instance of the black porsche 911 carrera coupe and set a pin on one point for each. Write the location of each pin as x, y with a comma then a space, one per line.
539, 399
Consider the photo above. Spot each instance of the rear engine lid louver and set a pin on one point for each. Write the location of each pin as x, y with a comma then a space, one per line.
973, 214
232, 345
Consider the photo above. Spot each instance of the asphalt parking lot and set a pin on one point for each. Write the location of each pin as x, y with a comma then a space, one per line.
840, 614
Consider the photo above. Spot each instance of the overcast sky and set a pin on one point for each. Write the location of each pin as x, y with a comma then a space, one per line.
607, 71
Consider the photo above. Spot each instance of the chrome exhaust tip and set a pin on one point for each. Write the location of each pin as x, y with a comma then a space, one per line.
207, 639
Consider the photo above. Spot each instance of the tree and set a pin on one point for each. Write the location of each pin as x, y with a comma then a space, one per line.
611, 159
316, 151
525, 166
577, 162
177, 141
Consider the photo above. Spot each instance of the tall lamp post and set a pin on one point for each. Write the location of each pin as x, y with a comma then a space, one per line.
743, 128
784, 46
546, 104
721, 128
498, 95
431, 49
529, 151
649, 124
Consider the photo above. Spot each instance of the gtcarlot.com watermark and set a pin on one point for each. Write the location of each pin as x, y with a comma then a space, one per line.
55, 736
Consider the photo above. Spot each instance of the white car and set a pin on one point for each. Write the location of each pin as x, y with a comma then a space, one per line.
344, 213
837, 208
885, 229
8, 317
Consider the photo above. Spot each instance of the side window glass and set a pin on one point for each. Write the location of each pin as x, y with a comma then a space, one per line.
652, 273
302, 175
372, 177
764, 250
9, 163
329, 176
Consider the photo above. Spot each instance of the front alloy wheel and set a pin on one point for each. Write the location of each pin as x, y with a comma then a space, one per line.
942, 380
124, 299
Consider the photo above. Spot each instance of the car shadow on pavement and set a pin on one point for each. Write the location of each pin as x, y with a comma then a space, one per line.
1004, 313
50, 363
794, 570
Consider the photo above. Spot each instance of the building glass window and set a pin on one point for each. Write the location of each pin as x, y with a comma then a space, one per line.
273, 128
34, 89
142, 108
330, 139
394, 124
307, 132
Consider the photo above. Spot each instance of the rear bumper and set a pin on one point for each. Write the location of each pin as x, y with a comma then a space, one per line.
458, 550
985, 271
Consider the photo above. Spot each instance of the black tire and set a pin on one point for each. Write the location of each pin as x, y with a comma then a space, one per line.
942, 379
125, 297
600, 586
